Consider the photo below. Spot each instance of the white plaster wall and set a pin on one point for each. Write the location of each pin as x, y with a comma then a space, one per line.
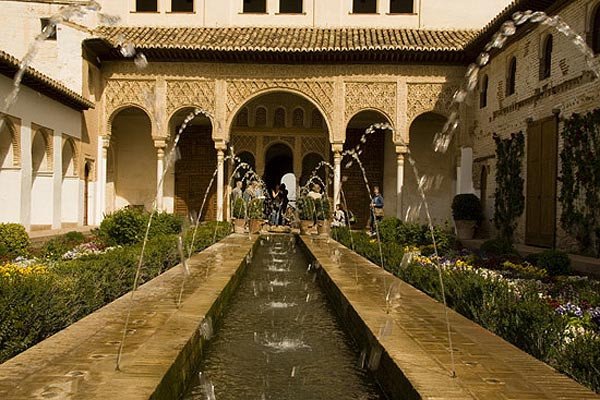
390, 172
71, 203
41, 203
10, 195
465, 14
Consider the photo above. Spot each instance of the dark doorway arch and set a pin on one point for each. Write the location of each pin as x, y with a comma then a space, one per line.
279, 160
248, 158
309, 163
87, 170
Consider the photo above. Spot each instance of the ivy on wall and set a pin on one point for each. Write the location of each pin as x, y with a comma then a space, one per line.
510, 200
580, 191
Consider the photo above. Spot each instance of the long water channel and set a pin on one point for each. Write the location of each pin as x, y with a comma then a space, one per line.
279, 337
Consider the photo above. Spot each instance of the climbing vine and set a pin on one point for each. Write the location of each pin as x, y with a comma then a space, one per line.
580, 191
510, 201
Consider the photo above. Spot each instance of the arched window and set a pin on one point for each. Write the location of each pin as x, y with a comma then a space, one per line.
594, 32
290, 6
483, 94
511, 80
69, 158
279, 118
242, 117
298, 118
255, 6
260, 117
316, 121
546, 60
41, 152
364, 6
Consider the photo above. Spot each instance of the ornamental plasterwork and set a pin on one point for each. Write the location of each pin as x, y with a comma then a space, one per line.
319, 145
374, 95
121, 92
240, 91
10, 124
242, 143
197, 93
426, 97
267, 140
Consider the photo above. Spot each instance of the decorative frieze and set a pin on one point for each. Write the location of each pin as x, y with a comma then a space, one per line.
428, 97
379, 96
191, 93
128, 92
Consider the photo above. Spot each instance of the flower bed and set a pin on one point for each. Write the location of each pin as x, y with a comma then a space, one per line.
554, 318
42, 296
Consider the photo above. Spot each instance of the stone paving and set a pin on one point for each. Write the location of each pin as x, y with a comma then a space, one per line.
162, 344
414, 338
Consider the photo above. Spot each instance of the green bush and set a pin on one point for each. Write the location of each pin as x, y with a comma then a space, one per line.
388, 230
14, 241
555, 262
128, 226
467, 207
256, 209
498, 247
54, 248
239, 208
394, 230
306, 208
579, 359
323, 209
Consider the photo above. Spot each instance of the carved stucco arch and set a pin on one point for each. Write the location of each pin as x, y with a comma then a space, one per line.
116, 111
376, 96
429, 97
120, 94
240, 93
210, 116
388, 118
15, 139
47, 136
70, 141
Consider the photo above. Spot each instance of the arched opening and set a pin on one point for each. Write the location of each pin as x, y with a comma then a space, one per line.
309, 163
279, 118
511, 80
42, 188
10, 176
438, 170
242, 117
298, 118
70, 184
279, 160
248, 158
546, 59
595, 30
87, 172
194, 169
260, 117
379, 160
131, 175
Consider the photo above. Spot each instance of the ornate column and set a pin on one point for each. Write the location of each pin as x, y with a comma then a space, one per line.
160, 169
400, 158
220, 182
104, 142
337, 173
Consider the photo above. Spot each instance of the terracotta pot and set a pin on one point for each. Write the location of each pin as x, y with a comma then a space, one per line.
324, 227
465, 229
306, 227
256, 225
239, 225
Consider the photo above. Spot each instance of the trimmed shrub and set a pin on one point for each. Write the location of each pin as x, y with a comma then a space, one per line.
498, 247
467, 207
122, 227
555, 262
164, 223
256, 209
14, 241
239, 209
323, 209
306, 208
56, 247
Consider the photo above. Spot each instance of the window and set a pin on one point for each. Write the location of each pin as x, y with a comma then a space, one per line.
483, 94
182, 5
242, 118
298, 118
546, 61
595, 42
260, 117
255, 6
316, 121
511, 81
401, 6
364, 6
290, 7
279, 118
146, 5
49, 29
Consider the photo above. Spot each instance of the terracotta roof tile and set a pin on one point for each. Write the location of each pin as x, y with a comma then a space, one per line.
36, 80
289, 39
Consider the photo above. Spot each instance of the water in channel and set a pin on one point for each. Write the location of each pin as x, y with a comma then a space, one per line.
279, 337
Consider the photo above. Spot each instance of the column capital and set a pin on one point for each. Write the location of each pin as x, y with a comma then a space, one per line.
220, 145
337, 148
105, 141
401, 149
160, 144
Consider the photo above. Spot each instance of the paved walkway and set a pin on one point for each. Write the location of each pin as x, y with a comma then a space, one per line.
162, 344
413, 336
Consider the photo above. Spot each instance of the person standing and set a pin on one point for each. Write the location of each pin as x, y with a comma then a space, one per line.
376, 210
340, 218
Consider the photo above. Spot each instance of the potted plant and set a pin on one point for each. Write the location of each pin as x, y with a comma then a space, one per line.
467, 213
323, 211
306, 213
256, 215
239, 215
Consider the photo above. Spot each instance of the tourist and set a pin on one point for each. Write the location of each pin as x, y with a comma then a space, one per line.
236, 192
340, 218
283, 203
376, 210
258, 190
315, 192
249, 192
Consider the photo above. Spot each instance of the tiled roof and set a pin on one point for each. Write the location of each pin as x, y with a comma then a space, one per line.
34, 79
258, 39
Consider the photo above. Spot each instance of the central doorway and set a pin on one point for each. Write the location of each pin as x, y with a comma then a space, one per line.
279, 161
